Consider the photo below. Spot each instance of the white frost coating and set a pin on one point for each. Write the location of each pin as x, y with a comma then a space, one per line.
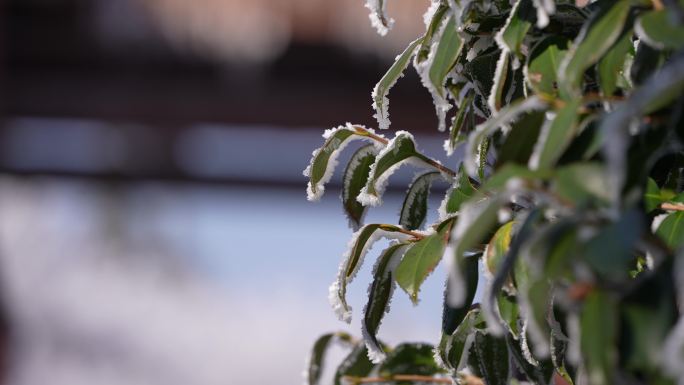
541, 343
501, 65
375, 352
380, 182
499, 35
412, 190
505, 116
545, 8
490, 310
378, 16
525, 347
335, 295
480, 45
657, 221
312, 195
430, 12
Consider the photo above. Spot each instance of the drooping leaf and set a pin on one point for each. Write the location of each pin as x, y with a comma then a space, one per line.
520, 20
421, 259
460, 192
659, 30
489, 358
444, 56
543, 63
612, 64
355, 177
452, 316
317, 358
497, 248
496, 94
356, 364
324, 159
463, 123
414, 209
671, 229
597, 37
412, 359
555, 137
379, 296
539, 374
396, 71
520, 141
598, 328
453, 347
378, 16
361, 242
399, 151
432, 29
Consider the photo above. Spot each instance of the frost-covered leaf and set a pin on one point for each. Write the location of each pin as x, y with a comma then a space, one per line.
454, 347
611, 66
452, 316
497, 248
463, 123
599, 330
318, 353
361, 242
502, 118
510, 37
414, 209
489, 358
496, 94
433, 27
399, 151
410, 358
659, 30
421, 259
378, 16
671, 229
356, 364
545, 8
396, 71
461, 191
355, 177
324, 159
379, 297
541, 70
519, 143
597, 37
555, 137
475, 223
538, 374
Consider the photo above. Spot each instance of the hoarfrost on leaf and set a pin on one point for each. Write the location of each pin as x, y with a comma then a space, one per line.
378, 16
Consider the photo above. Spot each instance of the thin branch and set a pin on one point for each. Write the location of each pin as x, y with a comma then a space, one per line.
398, 377
440, 167
672, 206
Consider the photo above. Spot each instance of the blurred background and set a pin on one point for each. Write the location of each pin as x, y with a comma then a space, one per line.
154, 227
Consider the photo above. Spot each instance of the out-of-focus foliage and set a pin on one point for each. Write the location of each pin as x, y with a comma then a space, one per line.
571, 117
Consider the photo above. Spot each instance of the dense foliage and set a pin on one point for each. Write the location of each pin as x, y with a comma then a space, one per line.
568, 198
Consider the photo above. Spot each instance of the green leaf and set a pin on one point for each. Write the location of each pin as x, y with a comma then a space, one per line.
356, 364
555, 137
654, 196
324, 159
598, 328
671, 230
432, 28
611, 252
504, 117
460, 192
452, 316
510, 37
453, 346
489, 358
379, 295
496, 94
498, 247
518, 145
355, 177
612, 64
582, 182
410, 358
539, 374
543, 62
396, 71
463, 123
659, 30
398, 151
498, 181
597, 37
444, 56
420, 260
361, 242
414, 209
320, 348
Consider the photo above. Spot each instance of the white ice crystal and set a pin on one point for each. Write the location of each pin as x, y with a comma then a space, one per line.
378, 16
